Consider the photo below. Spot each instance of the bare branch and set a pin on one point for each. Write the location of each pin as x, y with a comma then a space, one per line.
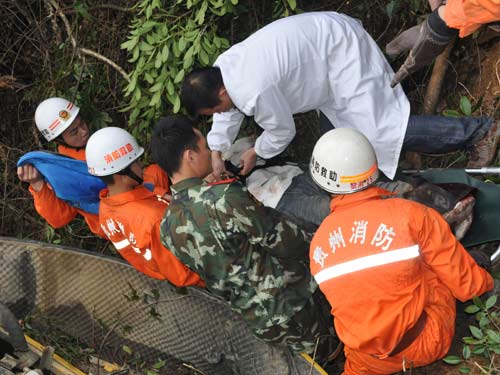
104, 6
106, 60
59, 12
436, 81
80, 51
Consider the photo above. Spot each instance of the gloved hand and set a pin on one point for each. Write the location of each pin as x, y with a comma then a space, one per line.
425, 41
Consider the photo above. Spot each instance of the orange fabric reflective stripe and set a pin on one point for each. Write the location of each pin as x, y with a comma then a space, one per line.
363, 263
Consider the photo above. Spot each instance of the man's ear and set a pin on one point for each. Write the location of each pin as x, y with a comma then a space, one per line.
222, 93
189, 155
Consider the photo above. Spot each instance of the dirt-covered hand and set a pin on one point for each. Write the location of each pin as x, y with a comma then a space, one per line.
28, 173
218, 167
425, 41
248, 160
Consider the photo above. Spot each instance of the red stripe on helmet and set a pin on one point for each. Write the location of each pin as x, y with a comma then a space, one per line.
54, 124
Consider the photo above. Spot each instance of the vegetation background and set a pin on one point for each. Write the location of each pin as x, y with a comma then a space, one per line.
122, 62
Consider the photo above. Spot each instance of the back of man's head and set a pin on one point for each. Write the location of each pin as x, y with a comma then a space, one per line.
112, 151
343, 162
172, 135
200, 89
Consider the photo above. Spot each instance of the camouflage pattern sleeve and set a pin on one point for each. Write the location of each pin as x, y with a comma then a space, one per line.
267, 227
248, 255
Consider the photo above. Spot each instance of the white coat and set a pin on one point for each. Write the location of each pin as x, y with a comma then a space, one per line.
313, 61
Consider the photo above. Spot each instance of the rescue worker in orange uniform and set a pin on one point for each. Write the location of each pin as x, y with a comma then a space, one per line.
59, 120
468, 15
448, 19
390, 268
130, 212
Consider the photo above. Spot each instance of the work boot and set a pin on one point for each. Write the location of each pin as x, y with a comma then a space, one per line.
483, 152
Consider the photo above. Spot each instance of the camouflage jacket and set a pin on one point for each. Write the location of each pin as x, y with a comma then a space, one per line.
248, 254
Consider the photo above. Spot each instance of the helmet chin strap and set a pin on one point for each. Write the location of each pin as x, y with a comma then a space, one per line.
129, 173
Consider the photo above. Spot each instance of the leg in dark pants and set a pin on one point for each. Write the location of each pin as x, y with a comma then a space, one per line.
440, 134
324, 124
436, 134
305, 202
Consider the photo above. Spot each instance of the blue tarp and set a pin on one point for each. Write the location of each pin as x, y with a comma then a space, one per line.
68, 177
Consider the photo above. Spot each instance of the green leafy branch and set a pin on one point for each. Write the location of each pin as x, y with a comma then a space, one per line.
164, 43
485, 339
465, 108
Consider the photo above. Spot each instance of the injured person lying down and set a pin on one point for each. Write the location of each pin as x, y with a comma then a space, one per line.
288, 188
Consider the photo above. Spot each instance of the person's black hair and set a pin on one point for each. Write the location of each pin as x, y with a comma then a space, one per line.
172, 135
108, 180
200, 89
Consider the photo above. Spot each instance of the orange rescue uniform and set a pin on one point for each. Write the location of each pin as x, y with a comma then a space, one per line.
156, 176
58, 213
131, 221
468, 15
381, 263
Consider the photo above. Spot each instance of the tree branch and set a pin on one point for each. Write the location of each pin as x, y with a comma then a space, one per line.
106, 60
105, 6
436, 81
79, 51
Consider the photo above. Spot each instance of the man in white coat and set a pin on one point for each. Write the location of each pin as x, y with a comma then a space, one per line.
315, 61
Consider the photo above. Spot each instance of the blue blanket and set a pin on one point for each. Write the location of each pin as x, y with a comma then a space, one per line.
68, 177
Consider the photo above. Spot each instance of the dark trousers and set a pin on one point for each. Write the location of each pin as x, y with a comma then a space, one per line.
432, 134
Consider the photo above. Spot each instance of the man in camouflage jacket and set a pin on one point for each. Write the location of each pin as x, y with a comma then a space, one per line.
247, 254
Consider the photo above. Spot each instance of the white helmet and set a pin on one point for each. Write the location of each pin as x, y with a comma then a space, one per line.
55, 115
111, 150
343, 161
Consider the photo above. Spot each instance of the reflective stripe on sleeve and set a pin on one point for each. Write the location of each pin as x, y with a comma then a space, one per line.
121, 244
370, 261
